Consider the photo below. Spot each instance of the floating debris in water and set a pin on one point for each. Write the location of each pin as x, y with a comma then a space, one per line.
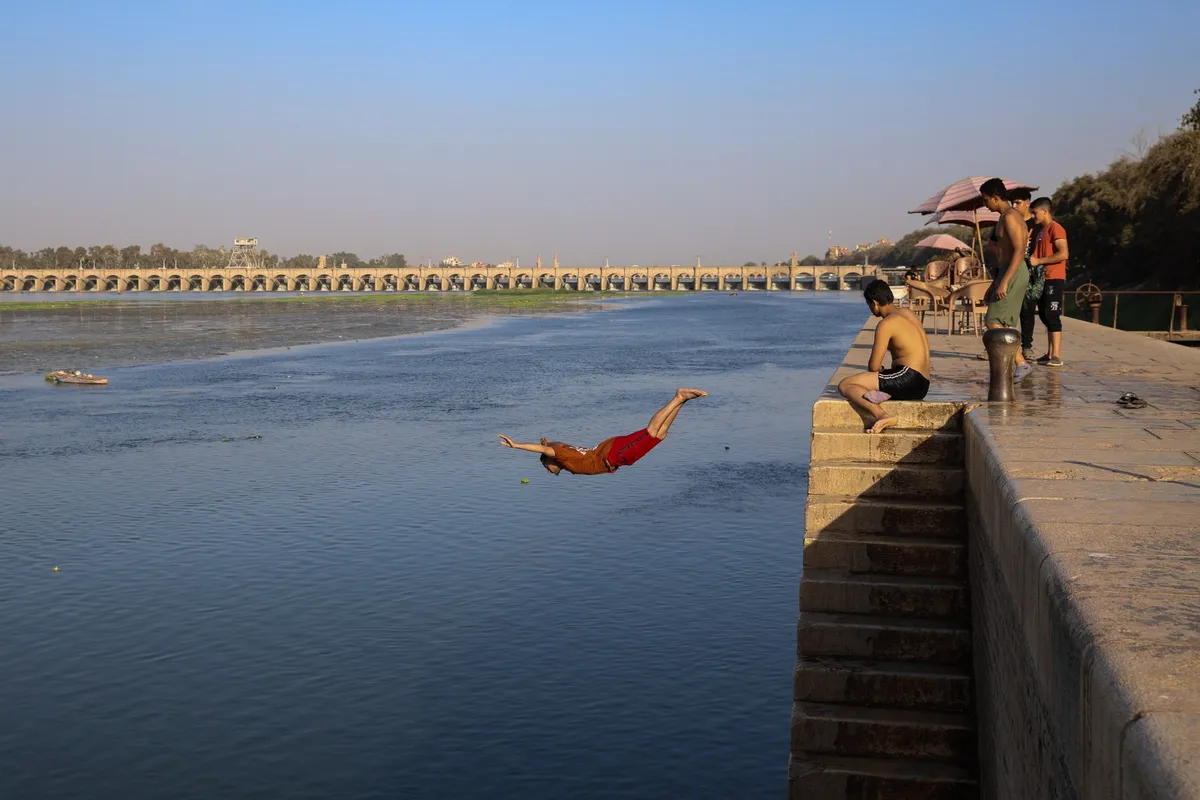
524, 480
56, 568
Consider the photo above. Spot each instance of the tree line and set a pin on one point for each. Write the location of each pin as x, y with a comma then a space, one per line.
100, 257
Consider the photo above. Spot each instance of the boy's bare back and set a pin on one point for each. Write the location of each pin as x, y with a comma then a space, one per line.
906, 340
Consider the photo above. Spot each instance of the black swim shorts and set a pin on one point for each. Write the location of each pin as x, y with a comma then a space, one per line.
903, 383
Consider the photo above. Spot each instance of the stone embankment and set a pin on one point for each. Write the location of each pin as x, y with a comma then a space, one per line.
1003, 601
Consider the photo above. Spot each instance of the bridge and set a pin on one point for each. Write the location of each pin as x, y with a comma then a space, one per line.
439, 278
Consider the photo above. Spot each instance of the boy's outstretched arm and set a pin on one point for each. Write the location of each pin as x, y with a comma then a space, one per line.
532, 448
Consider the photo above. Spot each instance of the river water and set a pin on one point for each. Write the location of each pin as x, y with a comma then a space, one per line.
367, 602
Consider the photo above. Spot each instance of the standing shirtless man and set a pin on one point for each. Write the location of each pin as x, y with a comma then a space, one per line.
612, 453
900, 332
1007, 293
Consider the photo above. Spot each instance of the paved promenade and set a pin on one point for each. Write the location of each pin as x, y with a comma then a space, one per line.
1085, 563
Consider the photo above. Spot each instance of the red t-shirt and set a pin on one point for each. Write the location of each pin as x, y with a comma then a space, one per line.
1045, 249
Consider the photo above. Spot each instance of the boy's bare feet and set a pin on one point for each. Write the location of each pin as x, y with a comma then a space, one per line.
882, 424
689, 394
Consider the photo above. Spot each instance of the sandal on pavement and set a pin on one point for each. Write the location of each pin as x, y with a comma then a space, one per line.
1131, 400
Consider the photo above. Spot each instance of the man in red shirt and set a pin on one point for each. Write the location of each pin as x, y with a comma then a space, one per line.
1050, 251
612, 453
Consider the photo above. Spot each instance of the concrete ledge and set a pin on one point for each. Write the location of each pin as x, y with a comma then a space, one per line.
1084, 561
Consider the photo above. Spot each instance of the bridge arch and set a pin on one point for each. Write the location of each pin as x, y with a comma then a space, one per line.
237, 283
216, 283
615, 282
323, 283
50, 283
174, 283
112, 284
830, 280
454, 282
366, 282
433, 281
805, 280
851, 280
389, 282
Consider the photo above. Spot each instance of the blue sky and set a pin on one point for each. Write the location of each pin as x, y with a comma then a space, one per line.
645, 132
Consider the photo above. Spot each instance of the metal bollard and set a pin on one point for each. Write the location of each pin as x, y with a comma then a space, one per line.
1002, 345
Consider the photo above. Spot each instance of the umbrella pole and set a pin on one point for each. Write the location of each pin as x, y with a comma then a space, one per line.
978, 233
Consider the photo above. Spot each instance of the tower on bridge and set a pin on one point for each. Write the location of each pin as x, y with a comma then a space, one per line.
245, 255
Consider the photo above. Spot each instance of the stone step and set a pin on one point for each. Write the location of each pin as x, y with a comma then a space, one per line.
836, 412
823, 777
909, 481
839, 591
886, 638
892, 684
893, 516
897, 445
883, 732
885, 555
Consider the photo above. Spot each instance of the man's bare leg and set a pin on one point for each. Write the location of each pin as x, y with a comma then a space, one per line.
660, 423
855, 389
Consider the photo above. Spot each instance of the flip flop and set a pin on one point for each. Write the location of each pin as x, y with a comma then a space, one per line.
1131, 400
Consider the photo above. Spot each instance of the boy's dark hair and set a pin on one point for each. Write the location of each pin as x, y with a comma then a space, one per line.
1019, 194
1041, 202
994, 187
878, 291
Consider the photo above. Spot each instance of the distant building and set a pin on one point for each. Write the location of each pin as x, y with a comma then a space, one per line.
505, 265
479, 265
451, 261
836, 251
884, 242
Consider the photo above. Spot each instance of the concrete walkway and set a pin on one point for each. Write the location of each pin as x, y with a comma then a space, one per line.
1088, 518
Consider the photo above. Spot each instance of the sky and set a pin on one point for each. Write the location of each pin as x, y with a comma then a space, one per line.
642, 132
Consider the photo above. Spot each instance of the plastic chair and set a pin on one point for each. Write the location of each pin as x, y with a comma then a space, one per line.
928, 300
967, 269
970, 301
936, 270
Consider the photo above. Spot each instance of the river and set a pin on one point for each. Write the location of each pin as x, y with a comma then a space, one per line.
316, 573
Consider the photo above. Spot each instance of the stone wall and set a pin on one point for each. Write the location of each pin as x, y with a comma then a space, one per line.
1081, 664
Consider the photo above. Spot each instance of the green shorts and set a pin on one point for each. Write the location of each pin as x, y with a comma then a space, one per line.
1007, 312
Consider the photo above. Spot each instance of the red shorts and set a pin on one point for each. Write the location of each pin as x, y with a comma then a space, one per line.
626, 450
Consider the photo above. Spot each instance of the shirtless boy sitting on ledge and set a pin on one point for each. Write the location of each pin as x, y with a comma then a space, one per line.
900, 332
614, 452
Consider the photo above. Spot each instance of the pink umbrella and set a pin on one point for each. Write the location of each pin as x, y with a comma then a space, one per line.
942, 241
962, 196
984, 217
